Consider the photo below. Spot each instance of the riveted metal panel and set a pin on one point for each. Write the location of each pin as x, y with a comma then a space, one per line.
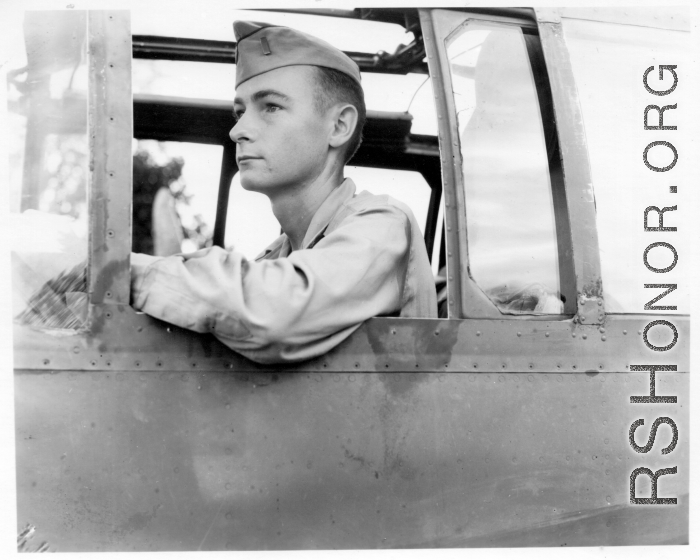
126, 340
110, 118
117, 460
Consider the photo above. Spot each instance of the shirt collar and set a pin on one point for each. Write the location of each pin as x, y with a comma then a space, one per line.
325, 213
282, 247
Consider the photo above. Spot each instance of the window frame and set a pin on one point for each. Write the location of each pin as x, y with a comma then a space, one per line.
574, 207
110, 124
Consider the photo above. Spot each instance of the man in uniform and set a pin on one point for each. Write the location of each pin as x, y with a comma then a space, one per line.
343, 257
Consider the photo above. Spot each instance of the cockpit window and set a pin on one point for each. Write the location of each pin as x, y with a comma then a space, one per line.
48, 165
511, 230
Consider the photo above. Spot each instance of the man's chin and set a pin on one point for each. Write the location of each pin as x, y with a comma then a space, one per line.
265, 185
250, 184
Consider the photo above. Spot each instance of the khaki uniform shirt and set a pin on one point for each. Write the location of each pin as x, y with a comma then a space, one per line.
363, 255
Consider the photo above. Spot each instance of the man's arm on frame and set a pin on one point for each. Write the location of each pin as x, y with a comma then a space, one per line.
288, 309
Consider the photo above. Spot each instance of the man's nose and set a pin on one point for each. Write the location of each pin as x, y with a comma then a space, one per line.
239, 132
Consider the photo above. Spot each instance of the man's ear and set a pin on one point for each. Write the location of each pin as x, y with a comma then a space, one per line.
344, 123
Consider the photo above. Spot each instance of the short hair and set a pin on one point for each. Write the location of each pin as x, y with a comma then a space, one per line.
332, 87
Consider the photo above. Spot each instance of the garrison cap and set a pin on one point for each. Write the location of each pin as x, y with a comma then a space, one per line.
263, 47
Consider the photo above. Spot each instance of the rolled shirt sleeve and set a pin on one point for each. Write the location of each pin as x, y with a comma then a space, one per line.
287, 309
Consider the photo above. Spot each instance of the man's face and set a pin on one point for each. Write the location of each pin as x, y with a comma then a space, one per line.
282, 139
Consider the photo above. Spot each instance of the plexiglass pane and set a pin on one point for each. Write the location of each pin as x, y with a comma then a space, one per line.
47, 118
513, 254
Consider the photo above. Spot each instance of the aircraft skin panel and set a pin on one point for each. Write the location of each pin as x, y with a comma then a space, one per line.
481, 431
122, 339
121, 460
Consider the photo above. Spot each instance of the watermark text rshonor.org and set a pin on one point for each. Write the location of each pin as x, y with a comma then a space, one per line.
666, 72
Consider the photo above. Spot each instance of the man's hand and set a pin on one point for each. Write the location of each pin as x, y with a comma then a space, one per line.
139, 264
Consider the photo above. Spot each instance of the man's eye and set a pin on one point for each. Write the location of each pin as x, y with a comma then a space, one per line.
237, 115
272, 108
